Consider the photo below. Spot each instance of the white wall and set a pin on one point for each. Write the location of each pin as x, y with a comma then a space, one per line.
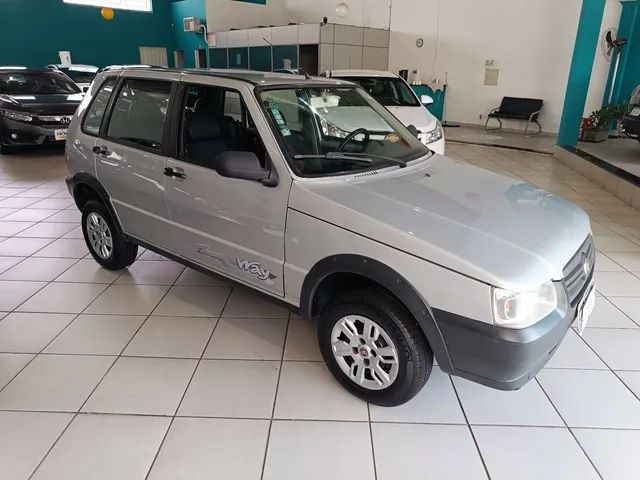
531, 42
226, 14
601, 64
363, 13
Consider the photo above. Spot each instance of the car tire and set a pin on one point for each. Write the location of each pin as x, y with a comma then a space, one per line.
393, 361
105, 242
5, 149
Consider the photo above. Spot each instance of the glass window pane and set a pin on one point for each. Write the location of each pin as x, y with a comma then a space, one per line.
139, 113
95, 112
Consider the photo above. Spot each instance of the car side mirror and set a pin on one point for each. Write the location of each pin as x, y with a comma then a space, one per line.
426, 100
242, 166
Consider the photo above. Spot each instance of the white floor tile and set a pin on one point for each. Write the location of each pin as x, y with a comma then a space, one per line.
248, 338
192, 277
619, 348
88, 271
46, 230
96, 335
532, 453
65, 248
105, 447
59, 383
38, 269
319, 451
307, 391
631, 380
179, 337
617, 284
128, 300
575, 353
581, 396
13, 293
11, 228
436, 403
443, 452
149, 386
30, 332
193, 301
231, 388
26, 437
151, 273
22, 247
7, 262
30, 215
11, 364
63, 298
302, 341
614, 452
630, 306
207, 448
607, 315
249, 303
527, 406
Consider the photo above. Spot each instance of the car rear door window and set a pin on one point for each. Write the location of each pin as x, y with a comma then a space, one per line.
139, 113
95, 112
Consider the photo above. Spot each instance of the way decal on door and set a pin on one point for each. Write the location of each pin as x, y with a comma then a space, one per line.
256, 269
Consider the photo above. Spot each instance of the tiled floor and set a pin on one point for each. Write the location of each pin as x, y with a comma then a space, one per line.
161, 372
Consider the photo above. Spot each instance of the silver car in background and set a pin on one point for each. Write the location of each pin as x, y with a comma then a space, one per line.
397, 254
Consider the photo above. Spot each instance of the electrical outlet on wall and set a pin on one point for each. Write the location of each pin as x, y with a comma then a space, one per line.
480, 117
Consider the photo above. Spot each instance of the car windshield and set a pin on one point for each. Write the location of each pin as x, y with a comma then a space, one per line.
390, 92
36, 83
79, 76
337, 130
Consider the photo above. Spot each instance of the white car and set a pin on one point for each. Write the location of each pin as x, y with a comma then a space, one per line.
394, 93
82, 75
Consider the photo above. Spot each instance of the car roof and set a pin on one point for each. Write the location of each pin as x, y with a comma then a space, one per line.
361, 73
77, 67
11, 68
249, 76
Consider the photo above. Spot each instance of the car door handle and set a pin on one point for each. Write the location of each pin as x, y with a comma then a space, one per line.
170, 172
98, 150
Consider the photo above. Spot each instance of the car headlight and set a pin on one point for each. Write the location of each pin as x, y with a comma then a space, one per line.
523, 309
18, 116
434, 135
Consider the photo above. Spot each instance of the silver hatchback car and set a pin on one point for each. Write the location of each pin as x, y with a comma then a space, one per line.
398, 254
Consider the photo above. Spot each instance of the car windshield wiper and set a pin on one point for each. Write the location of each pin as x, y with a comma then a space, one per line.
362, 157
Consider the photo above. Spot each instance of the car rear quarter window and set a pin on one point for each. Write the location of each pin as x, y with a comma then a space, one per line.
95, 112
139, 113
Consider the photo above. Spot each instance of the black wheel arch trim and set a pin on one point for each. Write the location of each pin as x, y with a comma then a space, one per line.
86, 179
390, 280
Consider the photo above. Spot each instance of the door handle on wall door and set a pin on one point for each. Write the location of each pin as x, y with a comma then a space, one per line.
172, 172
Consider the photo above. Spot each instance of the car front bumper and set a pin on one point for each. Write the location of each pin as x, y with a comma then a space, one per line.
498, 357
14, 133
632, 125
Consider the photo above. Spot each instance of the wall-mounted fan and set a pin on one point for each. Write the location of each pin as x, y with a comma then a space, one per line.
611, 44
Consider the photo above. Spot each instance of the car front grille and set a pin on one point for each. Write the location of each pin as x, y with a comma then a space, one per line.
579, 271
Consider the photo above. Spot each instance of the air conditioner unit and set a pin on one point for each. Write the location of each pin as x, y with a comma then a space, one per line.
192, 24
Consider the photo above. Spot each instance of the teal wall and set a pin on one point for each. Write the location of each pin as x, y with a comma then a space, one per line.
33, 31
584, 53
187, 41
628, 77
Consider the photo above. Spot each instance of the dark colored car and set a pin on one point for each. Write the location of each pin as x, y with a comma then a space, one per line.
36, 106
631, 120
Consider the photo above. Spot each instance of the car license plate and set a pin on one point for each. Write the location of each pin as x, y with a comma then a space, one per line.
635, 112
60, 134
586, 309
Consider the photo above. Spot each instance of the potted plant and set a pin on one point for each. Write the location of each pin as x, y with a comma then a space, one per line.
596, 127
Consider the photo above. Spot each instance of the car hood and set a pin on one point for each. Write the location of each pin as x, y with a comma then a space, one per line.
498, 230
419, 117
42, 104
